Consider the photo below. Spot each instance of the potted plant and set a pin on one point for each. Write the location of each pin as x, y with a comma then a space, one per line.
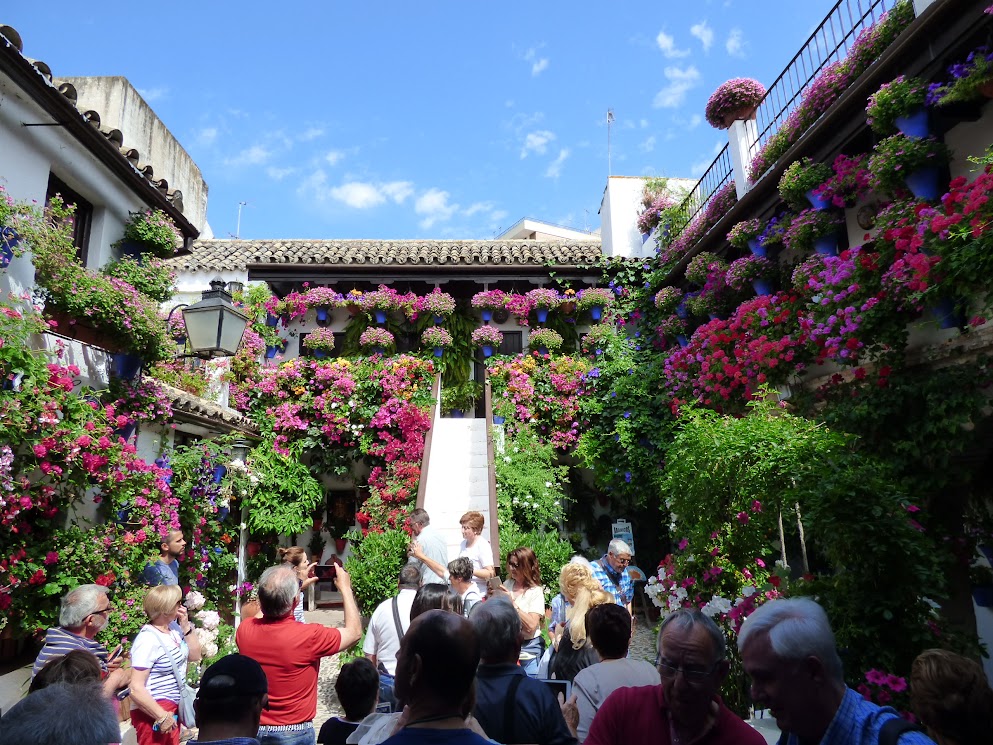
814, 229
671, 328
323, 300
806, 271
701, 266
316, 546
544, 340
667, 299
458, 399
901, 162
655, 204
800, 179
850, 182
489, 301
150, 277
568, 306
745, 234
439, 304
320, 342
376, 340
152, 232
971, 80
8, 235
596, 339
487, 338
438, 338
751, 270
899, 104
595, 300
543, 299
735, 99
352, 302
380, 302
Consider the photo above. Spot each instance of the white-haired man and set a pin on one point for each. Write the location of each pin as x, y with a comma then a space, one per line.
611, 571
788, 649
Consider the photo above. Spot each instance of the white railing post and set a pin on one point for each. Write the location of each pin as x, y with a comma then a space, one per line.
920, 6
743, 134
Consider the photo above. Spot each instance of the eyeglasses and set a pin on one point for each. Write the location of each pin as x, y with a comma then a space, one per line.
108, 609
691, 673
619, 560
512, 564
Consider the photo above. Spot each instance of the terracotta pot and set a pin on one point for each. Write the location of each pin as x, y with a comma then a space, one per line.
339, 545
250, 609
253, 548
76, 329
987, 89
745, 113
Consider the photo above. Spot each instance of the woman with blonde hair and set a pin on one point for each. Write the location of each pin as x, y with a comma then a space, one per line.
949, 693
296, 557
573, 651
165, 644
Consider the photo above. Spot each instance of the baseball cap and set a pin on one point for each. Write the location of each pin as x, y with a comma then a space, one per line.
233, 675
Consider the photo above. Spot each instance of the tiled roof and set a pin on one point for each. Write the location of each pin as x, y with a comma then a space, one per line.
198, 409
10, 39
236, 255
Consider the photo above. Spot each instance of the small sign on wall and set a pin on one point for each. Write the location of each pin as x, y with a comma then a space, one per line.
622, 530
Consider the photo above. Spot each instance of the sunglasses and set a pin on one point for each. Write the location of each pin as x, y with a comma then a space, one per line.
512, 564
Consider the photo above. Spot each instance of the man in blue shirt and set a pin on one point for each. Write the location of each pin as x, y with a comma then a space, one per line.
788, 649
611, 571
165, 569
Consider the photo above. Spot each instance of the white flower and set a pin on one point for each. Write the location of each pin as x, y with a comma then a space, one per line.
209, 618
209, 650
548, 484
194, 600
716, 606
748, 591
506, 459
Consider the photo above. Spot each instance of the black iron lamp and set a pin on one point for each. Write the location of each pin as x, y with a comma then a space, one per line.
214, 327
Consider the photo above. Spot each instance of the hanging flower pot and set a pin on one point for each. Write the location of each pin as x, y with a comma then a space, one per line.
438, 320
380, 315
596, 312
439, 351
320, 354
682, 340
339, 545
252, 548
487, 315
983, 596
271, 320
378, 350
127, 431
271, 352
223, 512
542, 350
323, 316
817, 202
681, 310
924, 183
457, 414
914, 124
125, 366
219, 472
645, 237
133, 249
762, 286
568, 308
542, 314
944, 311
756, 247
487, 350
497, 419
827, 245
8, 240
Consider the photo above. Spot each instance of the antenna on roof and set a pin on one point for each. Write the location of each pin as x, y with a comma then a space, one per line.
237, 230
610, 120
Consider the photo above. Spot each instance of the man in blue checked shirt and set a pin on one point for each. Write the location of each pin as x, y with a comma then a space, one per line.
611, 571
788, 649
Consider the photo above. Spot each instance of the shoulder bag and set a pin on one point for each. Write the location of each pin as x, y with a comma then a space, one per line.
187, 716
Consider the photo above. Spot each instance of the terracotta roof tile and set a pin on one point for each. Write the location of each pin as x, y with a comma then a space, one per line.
236, 255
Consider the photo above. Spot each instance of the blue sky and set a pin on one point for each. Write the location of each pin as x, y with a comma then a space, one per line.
412, 120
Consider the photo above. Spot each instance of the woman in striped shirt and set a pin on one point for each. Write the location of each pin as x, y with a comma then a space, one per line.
168, 640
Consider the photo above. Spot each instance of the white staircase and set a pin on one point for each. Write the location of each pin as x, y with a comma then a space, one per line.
457, 478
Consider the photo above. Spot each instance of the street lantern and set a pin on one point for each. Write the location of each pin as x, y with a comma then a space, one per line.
213, 325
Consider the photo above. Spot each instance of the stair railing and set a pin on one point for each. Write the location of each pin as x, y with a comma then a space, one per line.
422, 484
491, 471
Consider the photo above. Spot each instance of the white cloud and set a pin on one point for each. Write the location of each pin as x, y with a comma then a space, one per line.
255, 155
536, 142
153, 94
278, 174
668, 46
704, 33
333, 157
648, 145
310, 134
538, 64
206, 136
735, 44
695, 121
681, 80
363, 195
433, 204
475, 207
554, 169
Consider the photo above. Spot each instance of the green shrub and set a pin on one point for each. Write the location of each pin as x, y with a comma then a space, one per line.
375, 564
529, 483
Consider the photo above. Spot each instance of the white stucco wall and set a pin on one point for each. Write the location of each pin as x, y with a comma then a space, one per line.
619, 212
121, 107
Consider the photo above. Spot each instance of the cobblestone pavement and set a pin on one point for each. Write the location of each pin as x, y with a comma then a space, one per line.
643, 643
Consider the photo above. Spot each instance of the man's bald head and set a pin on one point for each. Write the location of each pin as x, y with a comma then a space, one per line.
438, 659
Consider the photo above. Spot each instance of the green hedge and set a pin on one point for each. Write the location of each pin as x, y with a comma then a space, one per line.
375, 564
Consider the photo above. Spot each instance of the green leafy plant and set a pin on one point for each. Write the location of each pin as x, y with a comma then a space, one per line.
154, 231
545, 337
530, 484
374, 564
800, 177
150, 277
460, 397
898, 156
899, 97
286, 494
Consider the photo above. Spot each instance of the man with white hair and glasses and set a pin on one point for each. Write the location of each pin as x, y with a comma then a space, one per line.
611, 571
83, 614
788, 650
686, 708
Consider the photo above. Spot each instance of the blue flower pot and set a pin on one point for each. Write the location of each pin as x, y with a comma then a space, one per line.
944, 312
124, 515
818, 203
542, 314
487, 350
438, 320
271, 352
134, 250
219, 472
125, 366
497, 419
271, 320
378, 350
645, 237
756, 247
127, 431
983, 596
223, 512
596, 312
380, 316
681, 310
914, 124
542, 350
924, 182
438, 351
320, 354
762, 286
323, 316
457, 414
682, 340
487, 315
827, 245
8, 240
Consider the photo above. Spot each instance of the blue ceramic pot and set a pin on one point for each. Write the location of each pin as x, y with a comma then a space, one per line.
223, 512
762, 286
271, 320
127, 431
682, 340
945, 313
487, 350
270, 352
320, 354
457, 414
487, 315
542, 350
438, 351
827, 245
542, 314
596, 312
438, 320
818, 203
125, 366
8, 240
322, 315
923, 183
645, 237
380, 316
219, 472
914, 124
756, 247
135, 250
497, 419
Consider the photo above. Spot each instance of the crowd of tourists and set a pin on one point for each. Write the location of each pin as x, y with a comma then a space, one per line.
459, 656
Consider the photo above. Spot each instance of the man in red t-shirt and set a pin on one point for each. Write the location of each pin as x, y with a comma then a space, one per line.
686, 708
290, 653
